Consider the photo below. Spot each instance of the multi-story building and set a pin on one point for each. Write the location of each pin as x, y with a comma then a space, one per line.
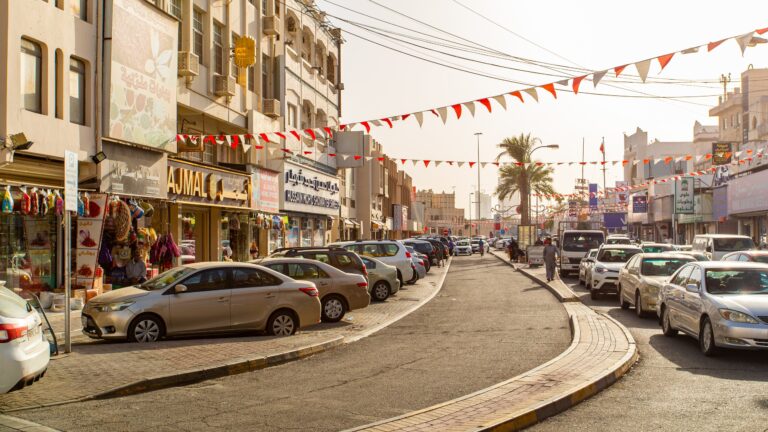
485, 206
441, 214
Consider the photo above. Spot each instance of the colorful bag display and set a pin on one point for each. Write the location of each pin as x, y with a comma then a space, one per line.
7, 203
25, 204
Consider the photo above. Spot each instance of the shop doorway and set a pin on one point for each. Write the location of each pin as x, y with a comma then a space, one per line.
193, 243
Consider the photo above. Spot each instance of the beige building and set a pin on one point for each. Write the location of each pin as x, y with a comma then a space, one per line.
441, 214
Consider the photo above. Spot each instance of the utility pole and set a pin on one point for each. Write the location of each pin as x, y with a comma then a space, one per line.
724, 80
602, 144
477, 134
581, 182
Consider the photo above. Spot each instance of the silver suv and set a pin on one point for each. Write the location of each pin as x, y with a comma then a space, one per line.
390, 252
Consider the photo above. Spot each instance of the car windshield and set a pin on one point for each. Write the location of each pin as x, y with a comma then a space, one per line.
662, 266
462, 243
581, 242
657, 248
165, 279
732, 244
616, 255
618, 240
737, 281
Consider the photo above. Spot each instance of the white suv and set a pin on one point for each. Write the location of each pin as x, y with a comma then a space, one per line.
390, 252
603, 276
24, 350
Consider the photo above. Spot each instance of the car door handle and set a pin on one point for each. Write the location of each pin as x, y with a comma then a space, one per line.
223, 299
323, 283
270, 295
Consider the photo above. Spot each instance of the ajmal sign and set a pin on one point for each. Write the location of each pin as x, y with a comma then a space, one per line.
244, 57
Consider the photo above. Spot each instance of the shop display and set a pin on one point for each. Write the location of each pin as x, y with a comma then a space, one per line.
88, 238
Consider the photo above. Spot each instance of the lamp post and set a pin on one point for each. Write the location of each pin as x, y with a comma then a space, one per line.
477, 134
528, 179
470, 213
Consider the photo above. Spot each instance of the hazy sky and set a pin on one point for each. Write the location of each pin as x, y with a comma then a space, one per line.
596, 35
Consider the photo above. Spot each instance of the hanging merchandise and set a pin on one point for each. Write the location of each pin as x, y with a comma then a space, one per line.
59, 204
86, 205
33, 202
122, 217
148, 209
136, 211
51, 199
25, 202
80, 205
42, 207
234, 223
7, 203
259, 219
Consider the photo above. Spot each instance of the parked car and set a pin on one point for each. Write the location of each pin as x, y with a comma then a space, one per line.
586, 265
391, 252
698, 256
749, 256
419, 265
618, 239
441, 250
382, 279
463, 247
683, 248
649, 247
604, 274
425, 248
643, 276
201, 298
722, 304
340, 292
24, 349
344, 260
717, 245
501, 243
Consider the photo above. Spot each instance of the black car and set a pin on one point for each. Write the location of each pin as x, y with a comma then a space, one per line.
344, 260
442, 250
424, 247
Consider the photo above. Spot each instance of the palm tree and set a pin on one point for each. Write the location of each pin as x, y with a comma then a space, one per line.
521, 178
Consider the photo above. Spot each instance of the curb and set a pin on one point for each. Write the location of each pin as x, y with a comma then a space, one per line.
17, 424
563, 297
239, 366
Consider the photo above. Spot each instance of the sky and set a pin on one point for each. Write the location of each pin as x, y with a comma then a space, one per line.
595, 35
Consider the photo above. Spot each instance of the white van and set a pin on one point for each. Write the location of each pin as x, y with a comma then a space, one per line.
574, 245
714, 246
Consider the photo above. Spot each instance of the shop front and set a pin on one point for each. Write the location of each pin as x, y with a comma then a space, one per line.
310, 201
748, 204
268, 227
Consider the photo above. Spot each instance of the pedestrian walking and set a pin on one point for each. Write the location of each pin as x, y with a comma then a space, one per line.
550, 258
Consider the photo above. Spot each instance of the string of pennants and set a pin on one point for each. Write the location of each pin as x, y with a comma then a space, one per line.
571, 84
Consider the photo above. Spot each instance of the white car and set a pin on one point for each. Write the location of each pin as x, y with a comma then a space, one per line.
586, 265
462, 247
24, 350
604, 274
390, 252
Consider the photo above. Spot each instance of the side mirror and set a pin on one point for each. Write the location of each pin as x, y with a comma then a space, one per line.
692, 288
179, 288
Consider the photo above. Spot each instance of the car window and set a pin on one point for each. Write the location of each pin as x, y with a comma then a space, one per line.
730, 244
246, 278
581, 242
616, 255
737, 281
391, 250
322, 257
346, 262
730, 257
13, 306
371, 250
632, 261
280, 268
207, 280
303, 271
695, 278
662, 266
743, 257
761, 258
681, 276
369, 263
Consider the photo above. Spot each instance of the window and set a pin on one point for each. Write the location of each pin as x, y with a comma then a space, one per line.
346, 262
681, 276
175, 9
76, 91
695, 278
58, 84
233, 66
305, 272
207, 280
322, 257
80, 9
218, 48
246, 278
197, 34
391, 249
292, 116
369, 264
371, 250
331, 69
264, 7
265, 64
352, 203
32, 76
251, 79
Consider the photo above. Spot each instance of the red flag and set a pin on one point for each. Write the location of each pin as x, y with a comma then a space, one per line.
550, 88
380, 159
471, 164
426, 163
664, 60
404, 116
366, 125
389, 122
518, 95
307, 152
457, 109
576, 82
296, 135
328, 131
762, 31
486, 103
618, 70
358, 157
602, 148
235, 140
713, 45
310, 132
209, 139
343, 127
402, 161
280, 134
332, 154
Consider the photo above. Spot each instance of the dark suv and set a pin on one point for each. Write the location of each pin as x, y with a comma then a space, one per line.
342, 259
424, 247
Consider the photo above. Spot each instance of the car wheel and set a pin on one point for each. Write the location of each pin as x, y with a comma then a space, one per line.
581, 280
707, 339
427, 266
333, 309
146, 328
622, 302
400, 278
639, 306
666, 324
415, 278
282, 323
380, 291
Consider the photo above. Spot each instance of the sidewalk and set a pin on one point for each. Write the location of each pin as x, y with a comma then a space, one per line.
107, 369
600, 353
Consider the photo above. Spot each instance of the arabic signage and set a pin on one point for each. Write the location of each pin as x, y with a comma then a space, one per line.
573, 208
721, 153
615, 221
593, 196
132, 171
266, 190
640, 203
309, 191
684, 196
89, 233
208, 186
70, 181
140, 104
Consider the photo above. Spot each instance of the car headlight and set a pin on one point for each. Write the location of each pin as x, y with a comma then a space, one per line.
736, 316
114, 307
601, 270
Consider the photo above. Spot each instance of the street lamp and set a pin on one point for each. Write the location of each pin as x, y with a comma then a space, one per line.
528, 179
477, 134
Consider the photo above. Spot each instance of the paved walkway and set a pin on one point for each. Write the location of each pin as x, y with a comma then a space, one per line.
601, 351
102, 369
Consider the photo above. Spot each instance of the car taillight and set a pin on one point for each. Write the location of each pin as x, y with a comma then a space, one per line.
362, 284
310, 291
407, 254
9, 332
421, 262
365, 270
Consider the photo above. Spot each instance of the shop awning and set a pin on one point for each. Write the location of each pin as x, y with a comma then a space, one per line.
351, 223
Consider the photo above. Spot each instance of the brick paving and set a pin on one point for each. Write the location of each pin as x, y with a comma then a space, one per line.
600, 352
99, 366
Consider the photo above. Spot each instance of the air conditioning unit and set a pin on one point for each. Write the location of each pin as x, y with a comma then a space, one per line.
340, 86
224, 85
189, 64
272, 108
270, 25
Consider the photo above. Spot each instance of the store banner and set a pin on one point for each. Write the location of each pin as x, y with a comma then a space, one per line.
722, 153
133, 172
39, 253
88, 238
684, 196
615, 221
640, 203
308, 191
266, 190
573, 208
208, 186
141, 74
593, 196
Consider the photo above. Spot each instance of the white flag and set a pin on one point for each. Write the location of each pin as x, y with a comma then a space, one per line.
642, 68
532, 91
501, 100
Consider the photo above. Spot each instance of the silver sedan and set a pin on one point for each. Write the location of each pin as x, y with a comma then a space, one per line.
641, 278
722, 304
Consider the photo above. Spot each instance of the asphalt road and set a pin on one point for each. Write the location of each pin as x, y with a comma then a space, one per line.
673, 387
486, 325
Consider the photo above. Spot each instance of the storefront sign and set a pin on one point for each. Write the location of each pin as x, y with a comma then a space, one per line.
720, 203
140, 105
615, 221
134, 172
640, 203
266, 190
593, 196
748, 194
684, 196
721, 153
70, 181
208, 186
305, 190
88, 240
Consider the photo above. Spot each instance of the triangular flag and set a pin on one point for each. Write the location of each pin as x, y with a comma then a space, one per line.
550, 88
388, 121
380, 158
402, 161
404, 116
264, 137
415, 162
280, 134
460, 164
642, 68
743, 40
426, 163
618, 70
483, 164
762, 31
235, 141
664, 60
502, 100
713, 45
518, 95
597, 76
310, 132
328, 132
246, 147
471, 164
376, 123
457, 110
307, 152
351, 126
532, 92
357, 157
485, 103
470, 106
691, 50
437, 163
443, 113
366, 126
576, 83
563, 83
419, 117
209, 139
434, 111
296, 135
